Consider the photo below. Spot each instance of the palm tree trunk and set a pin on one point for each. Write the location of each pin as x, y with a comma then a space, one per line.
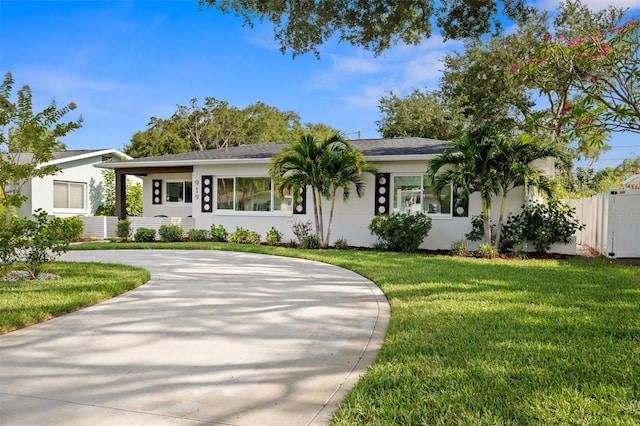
321, 221
486, 220
503, 207
315, 212
333, 204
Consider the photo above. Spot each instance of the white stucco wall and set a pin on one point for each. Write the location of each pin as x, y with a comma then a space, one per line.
351, 219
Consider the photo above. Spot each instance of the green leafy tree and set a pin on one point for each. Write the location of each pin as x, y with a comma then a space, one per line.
27, 140
133, 195
161, 138
419, 114
469, 164
302, 26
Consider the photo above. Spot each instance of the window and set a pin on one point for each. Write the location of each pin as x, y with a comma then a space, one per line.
414, 194
69, 195
179, 192
255, 194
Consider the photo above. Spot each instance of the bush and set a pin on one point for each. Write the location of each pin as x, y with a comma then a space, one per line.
123, 229
73, 227
341, 244
459, 248
145, 235
310, 241
244, 236
170, 233
274, 236
197, 235
218, 234
547, 224
487, 251
301, 229
401, 231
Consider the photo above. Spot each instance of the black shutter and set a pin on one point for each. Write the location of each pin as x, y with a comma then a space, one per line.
156, 191
207, 194
300, 201
383, 183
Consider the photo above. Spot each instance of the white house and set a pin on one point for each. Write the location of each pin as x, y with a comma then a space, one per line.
76, 189
231, 187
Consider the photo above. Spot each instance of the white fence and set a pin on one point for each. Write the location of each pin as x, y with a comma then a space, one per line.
612, 223
103, 227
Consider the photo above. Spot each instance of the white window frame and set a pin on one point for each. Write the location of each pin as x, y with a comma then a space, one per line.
418, 207
233, 212
184, 192
69, 209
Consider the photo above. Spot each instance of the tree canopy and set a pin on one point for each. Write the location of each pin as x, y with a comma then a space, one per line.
302, 26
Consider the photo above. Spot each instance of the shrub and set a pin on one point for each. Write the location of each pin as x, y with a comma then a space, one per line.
301, 229
477, 229
145, 235
218, 234
341, 244
170, 233
459, 248
401, 231
73, 227
546, 224
123, 229
197, 235
487, 251
310, 241
244, 236
273, 236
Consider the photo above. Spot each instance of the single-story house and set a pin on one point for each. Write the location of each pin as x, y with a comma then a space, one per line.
632, 182
231, 187
76, 189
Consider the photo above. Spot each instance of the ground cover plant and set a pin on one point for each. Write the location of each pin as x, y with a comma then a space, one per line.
23, 303
478, 341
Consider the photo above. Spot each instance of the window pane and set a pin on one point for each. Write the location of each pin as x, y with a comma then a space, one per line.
253, 194
188, 192
76, 196
225, 194
284, 204
175, 192
60, 195
434, 205
408, 193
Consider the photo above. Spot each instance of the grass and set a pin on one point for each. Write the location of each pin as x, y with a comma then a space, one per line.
23, 303
478, 341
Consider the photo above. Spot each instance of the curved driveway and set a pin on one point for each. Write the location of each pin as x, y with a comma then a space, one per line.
213, 338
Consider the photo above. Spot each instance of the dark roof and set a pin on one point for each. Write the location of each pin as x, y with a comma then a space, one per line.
369, 147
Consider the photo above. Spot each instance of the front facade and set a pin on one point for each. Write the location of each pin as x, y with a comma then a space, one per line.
232, 188
76, 189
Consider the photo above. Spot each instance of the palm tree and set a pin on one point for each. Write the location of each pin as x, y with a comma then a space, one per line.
469, 164
326, 166
513, 160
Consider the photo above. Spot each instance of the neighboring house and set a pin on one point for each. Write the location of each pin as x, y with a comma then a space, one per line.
632, 182
76, 189
231, 187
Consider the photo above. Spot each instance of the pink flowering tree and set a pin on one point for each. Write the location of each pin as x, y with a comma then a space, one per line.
591, 83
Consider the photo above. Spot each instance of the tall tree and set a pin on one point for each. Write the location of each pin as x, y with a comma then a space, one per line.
469, 164
27, 140
419, 114
302, 26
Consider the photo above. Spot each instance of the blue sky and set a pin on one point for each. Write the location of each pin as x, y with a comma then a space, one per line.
123, 62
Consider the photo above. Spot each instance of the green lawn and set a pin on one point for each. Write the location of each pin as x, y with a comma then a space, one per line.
23, 303
475, 341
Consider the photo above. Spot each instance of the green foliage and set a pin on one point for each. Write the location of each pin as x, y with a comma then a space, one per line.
310, 242
401, 232
303, 26
547, 224
244, 236
487, 251
300, 229
418, 115
198, 235
123, 229
23, 131
36, 242
145, 235
133, 194
273, 237
341, 244
459, 248
477, 231
218, 234
170, 233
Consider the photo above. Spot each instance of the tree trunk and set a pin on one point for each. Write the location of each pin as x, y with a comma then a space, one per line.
333, 204
486, 221
503, 207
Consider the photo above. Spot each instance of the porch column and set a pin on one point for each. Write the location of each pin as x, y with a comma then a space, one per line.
121, 194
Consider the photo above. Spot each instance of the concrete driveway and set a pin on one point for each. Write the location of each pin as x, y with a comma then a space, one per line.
213, 338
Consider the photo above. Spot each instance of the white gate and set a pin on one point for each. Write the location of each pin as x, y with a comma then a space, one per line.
623, 239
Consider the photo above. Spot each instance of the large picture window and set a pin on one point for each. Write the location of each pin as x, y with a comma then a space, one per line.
69, 195
255, 194
179, 192
414, 194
